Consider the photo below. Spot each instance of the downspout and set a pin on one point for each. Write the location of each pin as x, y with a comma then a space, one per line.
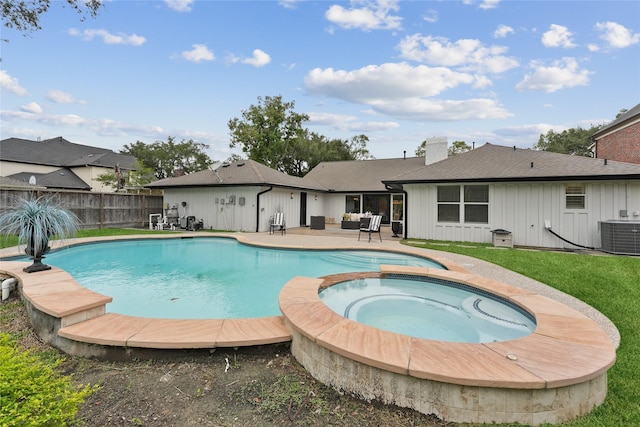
258, 207
406, 200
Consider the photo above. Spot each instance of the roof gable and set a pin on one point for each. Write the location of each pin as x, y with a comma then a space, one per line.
242, 172
61, 178
499, 163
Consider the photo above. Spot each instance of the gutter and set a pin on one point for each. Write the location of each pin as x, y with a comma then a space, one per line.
258, 207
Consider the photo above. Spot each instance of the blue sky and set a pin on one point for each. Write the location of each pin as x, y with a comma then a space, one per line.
397, 71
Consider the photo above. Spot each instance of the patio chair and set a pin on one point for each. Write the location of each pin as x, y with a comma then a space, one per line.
372, 227
277, 223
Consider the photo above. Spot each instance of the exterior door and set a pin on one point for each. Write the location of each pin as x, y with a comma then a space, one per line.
303, 209
378, 204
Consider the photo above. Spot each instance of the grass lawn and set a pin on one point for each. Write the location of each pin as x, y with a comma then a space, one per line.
611, 284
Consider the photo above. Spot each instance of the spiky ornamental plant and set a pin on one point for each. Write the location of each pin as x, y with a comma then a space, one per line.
35, 220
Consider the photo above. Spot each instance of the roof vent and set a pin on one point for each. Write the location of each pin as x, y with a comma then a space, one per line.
240, 164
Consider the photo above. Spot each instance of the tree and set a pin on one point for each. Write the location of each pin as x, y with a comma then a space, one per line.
133, 179
166, 159
272, 133
24, 15
575, 141
457, 147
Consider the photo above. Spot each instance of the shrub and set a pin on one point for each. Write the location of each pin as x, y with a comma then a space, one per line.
32, 393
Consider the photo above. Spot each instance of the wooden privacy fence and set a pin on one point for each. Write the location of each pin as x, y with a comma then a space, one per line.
95, 210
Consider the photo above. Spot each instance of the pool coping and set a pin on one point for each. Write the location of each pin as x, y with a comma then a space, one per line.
567, 346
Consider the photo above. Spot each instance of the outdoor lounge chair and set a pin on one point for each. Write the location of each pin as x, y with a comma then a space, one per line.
372, 227
277, 223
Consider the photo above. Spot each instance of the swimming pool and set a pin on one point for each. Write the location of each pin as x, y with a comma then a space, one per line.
206, 278
428, 308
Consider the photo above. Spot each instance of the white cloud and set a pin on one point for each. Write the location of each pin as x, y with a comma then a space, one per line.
468, 54
436, 110
561, 74
616, 35
503, 31
259, 59
484, 4
289, 4
401, 90
11, 84
489, 4
369, 16
431, 16
107, 37
179, 5
60, 97
390, 80
32, 107
199, 53
348, 123
558, 36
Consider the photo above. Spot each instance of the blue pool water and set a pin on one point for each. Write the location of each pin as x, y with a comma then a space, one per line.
205, 278
428, 308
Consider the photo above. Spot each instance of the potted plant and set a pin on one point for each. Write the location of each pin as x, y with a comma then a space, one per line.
35, 220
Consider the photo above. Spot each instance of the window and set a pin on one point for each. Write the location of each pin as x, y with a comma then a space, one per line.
449, 203
574, 196
352, 203
474, 205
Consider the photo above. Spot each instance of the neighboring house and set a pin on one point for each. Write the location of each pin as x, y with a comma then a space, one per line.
59, 164
458, 198
525, 192
620, 139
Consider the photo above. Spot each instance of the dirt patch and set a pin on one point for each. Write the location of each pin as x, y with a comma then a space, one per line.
258, 386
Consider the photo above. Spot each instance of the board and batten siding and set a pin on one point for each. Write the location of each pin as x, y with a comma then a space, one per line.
522, 209
218, 212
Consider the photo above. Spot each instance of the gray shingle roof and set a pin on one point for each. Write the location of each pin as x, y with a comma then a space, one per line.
499, 163
361, 175
243, 172
60, 152
61, 178
628, 116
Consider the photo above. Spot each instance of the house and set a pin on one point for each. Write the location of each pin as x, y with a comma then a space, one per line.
59, 164
620, 139
539, 197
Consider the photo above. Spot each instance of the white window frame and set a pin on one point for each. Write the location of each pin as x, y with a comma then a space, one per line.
575, 196
461, 203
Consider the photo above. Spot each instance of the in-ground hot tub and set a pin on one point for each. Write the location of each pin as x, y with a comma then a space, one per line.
555, 374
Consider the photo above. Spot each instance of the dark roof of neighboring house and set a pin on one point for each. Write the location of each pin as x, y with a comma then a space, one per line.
630, 115
62, 178
361, 175
7, 182
242, 172
62, 153
492, 163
